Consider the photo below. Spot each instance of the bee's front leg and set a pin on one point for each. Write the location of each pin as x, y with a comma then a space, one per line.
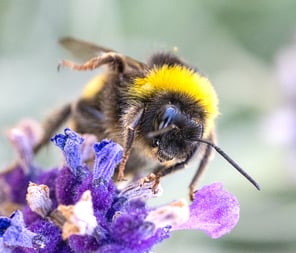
128, 142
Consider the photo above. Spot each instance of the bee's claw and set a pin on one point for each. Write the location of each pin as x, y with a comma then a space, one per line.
121, 177
155, 185
191, 196
191, 193
59, 67
151, 177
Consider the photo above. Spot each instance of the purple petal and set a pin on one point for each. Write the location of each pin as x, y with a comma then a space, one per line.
137, 242
69, 187
136, 207
16, 234
66, 187
4, 224
59, 140
70, 144
114, 247
159, 235
49, 178
3, 248
19, 182
108, 155
29, 215
130, 229
102, 193
23, 137
83, 243
214, 210
49, 236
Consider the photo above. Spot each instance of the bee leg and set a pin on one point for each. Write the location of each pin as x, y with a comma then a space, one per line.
115, 60
127, 149
162, 171
51, 123
128, 143
201, 168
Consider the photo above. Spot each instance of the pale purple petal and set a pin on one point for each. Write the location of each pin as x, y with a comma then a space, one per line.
69, 143
214, 210
3, 248
108, 155
17, 234
23, 138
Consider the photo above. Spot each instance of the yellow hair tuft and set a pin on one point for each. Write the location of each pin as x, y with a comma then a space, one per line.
94, 86
179, 79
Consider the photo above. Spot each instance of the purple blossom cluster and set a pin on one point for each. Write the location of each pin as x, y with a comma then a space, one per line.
78, 208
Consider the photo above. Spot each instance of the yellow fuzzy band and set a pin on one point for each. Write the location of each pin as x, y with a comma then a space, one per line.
94, 86
179, 79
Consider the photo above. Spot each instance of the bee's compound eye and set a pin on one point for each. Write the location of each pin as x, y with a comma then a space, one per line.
155, 143
167, 117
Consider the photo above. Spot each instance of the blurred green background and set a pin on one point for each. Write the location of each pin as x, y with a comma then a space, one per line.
237, 44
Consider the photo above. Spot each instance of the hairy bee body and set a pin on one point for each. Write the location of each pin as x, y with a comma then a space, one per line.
106, 107
162, 112
103, 114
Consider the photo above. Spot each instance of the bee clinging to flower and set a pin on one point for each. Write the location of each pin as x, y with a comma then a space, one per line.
162, 112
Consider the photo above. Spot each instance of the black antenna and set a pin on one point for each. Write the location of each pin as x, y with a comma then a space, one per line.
233, 163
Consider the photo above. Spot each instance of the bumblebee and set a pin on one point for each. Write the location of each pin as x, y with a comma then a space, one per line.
162, 112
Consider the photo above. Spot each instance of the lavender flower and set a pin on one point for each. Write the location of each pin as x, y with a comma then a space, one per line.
78, 209
13, 233
70, 145
38, 199
215, 211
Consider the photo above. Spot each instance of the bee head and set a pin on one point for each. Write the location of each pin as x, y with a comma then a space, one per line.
174, 134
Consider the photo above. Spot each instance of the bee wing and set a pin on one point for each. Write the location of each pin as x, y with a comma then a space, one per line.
84, 51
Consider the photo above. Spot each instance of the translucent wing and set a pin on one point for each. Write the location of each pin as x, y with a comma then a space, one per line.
84, 51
